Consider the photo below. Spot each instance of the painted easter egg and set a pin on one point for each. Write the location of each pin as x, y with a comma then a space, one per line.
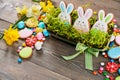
114, 53
119, 71
38, 45
39, 36
41, 25
26, 52
117, 78
46, 33
117, 40
25, 33
21, 25
31, 41
19, 60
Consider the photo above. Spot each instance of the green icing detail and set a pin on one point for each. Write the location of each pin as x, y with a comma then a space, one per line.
25, 52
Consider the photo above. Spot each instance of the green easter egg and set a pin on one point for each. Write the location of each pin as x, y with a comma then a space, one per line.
26, 52
117, 78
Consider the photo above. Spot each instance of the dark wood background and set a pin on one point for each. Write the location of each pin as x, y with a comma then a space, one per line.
47, 63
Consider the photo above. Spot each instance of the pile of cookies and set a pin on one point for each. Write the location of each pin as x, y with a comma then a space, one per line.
33, 32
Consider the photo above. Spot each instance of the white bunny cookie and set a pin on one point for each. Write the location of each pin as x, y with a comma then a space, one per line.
81, 24
65, 13
101, 24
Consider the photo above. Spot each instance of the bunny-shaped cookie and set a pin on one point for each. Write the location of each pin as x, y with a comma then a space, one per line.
101, 24
81, 24
65, 13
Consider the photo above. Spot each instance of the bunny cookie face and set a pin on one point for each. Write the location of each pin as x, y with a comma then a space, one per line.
65, 13
82, 24
101, 24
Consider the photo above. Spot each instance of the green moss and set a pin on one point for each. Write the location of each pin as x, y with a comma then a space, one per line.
74, 16
54, 12
94, 38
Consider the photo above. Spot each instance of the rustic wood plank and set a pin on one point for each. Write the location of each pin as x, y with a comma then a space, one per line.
47, 59
11, 70
96, 5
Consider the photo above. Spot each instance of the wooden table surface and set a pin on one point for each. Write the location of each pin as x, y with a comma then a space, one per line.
47, 63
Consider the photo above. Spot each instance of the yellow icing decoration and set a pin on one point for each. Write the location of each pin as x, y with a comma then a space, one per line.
32, 22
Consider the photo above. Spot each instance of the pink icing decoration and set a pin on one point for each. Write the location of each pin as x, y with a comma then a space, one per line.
117, 40
25, 33
39, 36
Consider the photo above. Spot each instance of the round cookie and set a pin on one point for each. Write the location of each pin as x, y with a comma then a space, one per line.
117, 78
31, 23
25, 33
26, 52
114, 53
117, 40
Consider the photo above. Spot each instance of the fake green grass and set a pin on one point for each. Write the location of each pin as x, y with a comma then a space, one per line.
94, 38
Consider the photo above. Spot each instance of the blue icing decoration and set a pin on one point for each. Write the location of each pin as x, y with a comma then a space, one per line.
46, 33
21, 25
114, 53
41, 25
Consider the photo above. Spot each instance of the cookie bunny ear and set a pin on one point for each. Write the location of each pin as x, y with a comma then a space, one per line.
109, 17
70, 8
101, 15
62, 6
80, 12
88, 13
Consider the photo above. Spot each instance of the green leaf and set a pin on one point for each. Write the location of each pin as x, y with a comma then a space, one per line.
1, 35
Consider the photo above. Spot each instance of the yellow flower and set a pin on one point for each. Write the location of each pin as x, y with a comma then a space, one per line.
47, 7
11, 35
34, 11
22, 11
32, 22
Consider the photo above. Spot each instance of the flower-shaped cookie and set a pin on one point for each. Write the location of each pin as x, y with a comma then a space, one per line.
111, 67
31, 41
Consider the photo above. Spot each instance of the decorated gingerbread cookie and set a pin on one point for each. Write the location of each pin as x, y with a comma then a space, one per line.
101, 24
25, 33
82, 24
26, 52
32, 23
117, 40
114, 53
65, 12
117, 78
31, 41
